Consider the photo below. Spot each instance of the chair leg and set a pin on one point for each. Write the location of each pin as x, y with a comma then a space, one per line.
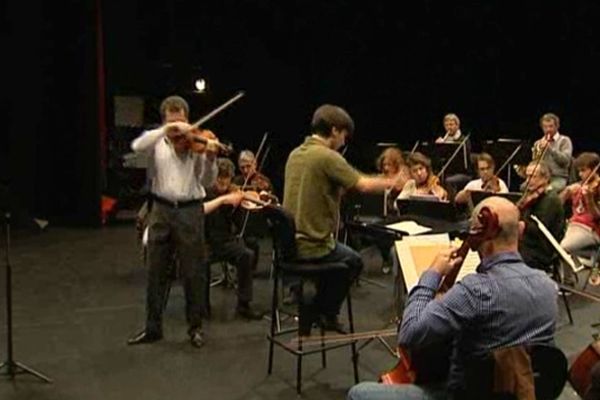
353, 344
300, 355
567, 307
323, 352
274, 322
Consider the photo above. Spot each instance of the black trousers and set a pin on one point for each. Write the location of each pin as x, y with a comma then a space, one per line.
179, 230
236, 253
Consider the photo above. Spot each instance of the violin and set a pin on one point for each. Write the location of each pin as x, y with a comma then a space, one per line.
253, 199
204, 140
491, 185
529, 198
485, 227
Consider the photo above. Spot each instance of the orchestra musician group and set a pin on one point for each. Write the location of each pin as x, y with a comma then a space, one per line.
194, 209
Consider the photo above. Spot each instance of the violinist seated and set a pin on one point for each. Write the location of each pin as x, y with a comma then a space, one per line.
422, 182
391, 164
583, 230
487, 181
251, 179
506, 303
540, 200
223, 242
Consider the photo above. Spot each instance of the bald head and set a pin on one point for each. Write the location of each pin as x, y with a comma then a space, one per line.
508, 219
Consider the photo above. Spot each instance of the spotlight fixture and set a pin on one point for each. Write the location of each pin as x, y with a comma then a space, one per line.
200, 85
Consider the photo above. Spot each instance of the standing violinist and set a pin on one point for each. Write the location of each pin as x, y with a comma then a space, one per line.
559, 150
177, 177
224, 244
422, 182
583, 230
506, 303
487, 181
540, 200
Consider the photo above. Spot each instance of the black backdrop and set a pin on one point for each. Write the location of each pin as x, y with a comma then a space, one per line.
396, 66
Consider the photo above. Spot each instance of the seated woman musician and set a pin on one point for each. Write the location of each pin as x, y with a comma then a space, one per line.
487, 181
391, 164
422, 182
583, 230
223, 242
505, 303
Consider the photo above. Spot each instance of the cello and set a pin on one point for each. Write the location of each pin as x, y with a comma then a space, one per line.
485, 227
579, 372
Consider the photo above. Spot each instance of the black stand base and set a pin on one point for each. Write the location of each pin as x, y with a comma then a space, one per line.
14, 368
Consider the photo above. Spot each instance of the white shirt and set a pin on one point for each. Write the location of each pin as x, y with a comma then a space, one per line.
477, 184
174, 177
452, 138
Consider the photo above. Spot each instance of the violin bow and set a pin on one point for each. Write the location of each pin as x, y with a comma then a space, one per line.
217, 110
537, 163
514, 153
247, 179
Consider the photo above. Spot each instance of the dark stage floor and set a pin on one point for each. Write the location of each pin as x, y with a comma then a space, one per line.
78, 295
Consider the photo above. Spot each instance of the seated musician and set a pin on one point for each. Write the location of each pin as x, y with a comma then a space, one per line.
250, 178
452, 128
583, 230
506, 303
487, 180
540, 200
391, 164
557, 154
422, 182
223, 242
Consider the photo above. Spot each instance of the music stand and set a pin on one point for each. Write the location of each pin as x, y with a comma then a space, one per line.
478, 195
439, 210
512, 151
11, 367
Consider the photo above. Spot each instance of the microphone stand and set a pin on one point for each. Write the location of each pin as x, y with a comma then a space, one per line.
10, 367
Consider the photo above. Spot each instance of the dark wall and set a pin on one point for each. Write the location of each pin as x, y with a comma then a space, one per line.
53, 166
397, 67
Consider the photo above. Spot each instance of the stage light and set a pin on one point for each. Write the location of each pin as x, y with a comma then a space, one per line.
200, 85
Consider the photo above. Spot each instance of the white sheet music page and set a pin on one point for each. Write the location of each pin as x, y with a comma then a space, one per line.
410, 227
416, 253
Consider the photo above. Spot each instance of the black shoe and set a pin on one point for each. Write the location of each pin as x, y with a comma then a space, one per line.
331, 323
196, 337
247, 312
144, 337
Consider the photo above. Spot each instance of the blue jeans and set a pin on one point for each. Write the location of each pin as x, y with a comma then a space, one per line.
378, 391
333, 286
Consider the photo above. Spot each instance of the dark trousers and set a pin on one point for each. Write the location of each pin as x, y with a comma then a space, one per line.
179, 230
237, 254
332, 286
252, 244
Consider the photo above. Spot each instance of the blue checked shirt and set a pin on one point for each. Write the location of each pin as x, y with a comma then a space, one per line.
505, 304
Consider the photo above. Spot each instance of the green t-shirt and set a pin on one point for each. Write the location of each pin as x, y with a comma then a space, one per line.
314, 177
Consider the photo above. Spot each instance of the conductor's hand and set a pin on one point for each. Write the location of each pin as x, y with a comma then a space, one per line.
445, 261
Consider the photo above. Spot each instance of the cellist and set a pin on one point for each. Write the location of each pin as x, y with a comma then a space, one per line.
506, 303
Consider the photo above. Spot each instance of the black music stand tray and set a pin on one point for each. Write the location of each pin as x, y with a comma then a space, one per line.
439, 210
10, 367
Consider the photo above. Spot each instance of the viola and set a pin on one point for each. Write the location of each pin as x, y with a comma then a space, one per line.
485, 227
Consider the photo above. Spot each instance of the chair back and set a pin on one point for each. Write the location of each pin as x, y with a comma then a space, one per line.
283, 231
548, 365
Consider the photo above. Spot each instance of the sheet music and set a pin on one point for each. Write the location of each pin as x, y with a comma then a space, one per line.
416, 253
410, 227
563, 254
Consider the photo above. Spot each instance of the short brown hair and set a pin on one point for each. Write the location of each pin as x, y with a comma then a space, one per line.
550, 117
417, 158
586, 160
486, 158
174, 104
329, 116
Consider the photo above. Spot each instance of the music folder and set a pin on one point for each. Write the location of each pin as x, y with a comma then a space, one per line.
478, 195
